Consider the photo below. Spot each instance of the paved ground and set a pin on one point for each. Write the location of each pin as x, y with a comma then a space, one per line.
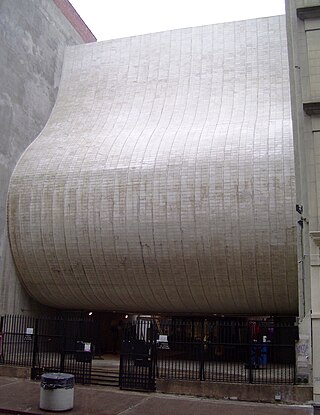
22, 396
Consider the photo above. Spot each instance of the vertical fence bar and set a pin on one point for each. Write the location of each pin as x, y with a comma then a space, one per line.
250, 351
35, 350
202, 344
62, 342
1, 339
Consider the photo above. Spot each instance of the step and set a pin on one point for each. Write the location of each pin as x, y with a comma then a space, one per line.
105, 377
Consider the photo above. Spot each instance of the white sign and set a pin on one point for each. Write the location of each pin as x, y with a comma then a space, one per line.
29, 330
87, 347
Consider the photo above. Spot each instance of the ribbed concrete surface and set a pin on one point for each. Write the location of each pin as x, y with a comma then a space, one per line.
164, 179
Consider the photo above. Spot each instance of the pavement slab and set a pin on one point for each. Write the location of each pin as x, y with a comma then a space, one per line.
22, 396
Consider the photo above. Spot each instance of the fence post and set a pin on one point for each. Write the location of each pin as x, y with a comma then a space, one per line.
63, 350
35, 349
152, 365
64, 342
201, 374
250, 362
250, 347
294, 365
1, 339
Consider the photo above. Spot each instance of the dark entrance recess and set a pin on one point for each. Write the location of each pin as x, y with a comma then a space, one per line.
107, 335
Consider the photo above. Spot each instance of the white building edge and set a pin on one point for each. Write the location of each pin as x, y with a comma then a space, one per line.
303, 25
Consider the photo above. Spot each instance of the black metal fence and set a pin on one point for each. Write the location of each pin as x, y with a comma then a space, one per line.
47, 345
216, 350
226, 351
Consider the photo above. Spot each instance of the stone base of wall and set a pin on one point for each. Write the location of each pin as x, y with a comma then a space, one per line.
15, 371
289, 394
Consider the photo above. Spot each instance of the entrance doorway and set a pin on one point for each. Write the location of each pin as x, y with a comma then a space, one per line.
108, 333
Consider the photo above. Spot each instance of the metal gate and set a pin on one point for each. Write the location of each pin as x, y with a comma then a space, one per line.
48, 345
138, 356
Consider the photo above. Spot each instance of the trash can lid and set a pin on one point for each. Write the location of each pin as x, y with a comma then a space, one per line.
57, 380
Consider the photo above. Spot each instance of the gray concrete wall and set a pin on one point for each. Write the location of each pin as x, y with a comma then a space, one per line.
33, 36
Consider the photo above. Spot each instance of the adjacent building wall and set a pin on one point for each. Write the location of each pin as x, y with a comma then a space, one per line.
303, 24
33, 36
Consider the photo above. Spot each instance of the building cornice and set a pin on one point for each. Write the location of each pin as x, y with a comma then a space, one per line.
75, 20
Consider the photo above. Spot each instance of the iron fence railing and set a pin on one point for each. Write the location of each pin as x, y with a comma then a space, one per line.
216, 350
226, 351
47, 345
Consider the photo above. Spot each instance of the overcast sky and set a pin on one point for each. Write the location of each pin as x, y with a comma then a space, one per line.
110, 19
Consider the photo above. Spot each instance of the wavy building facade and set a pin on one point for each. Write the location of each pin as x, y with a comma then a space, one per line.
164, 179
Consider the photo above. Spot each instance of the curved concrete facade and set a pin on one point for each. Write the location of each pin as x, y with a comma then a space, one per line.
164, 178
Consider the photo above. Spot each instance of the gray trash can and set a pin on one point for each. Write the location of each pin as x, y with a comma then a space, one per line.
56, 391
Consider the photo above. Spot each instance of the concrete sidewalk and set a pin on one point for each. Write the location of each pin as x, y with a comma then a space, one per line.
22, 396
